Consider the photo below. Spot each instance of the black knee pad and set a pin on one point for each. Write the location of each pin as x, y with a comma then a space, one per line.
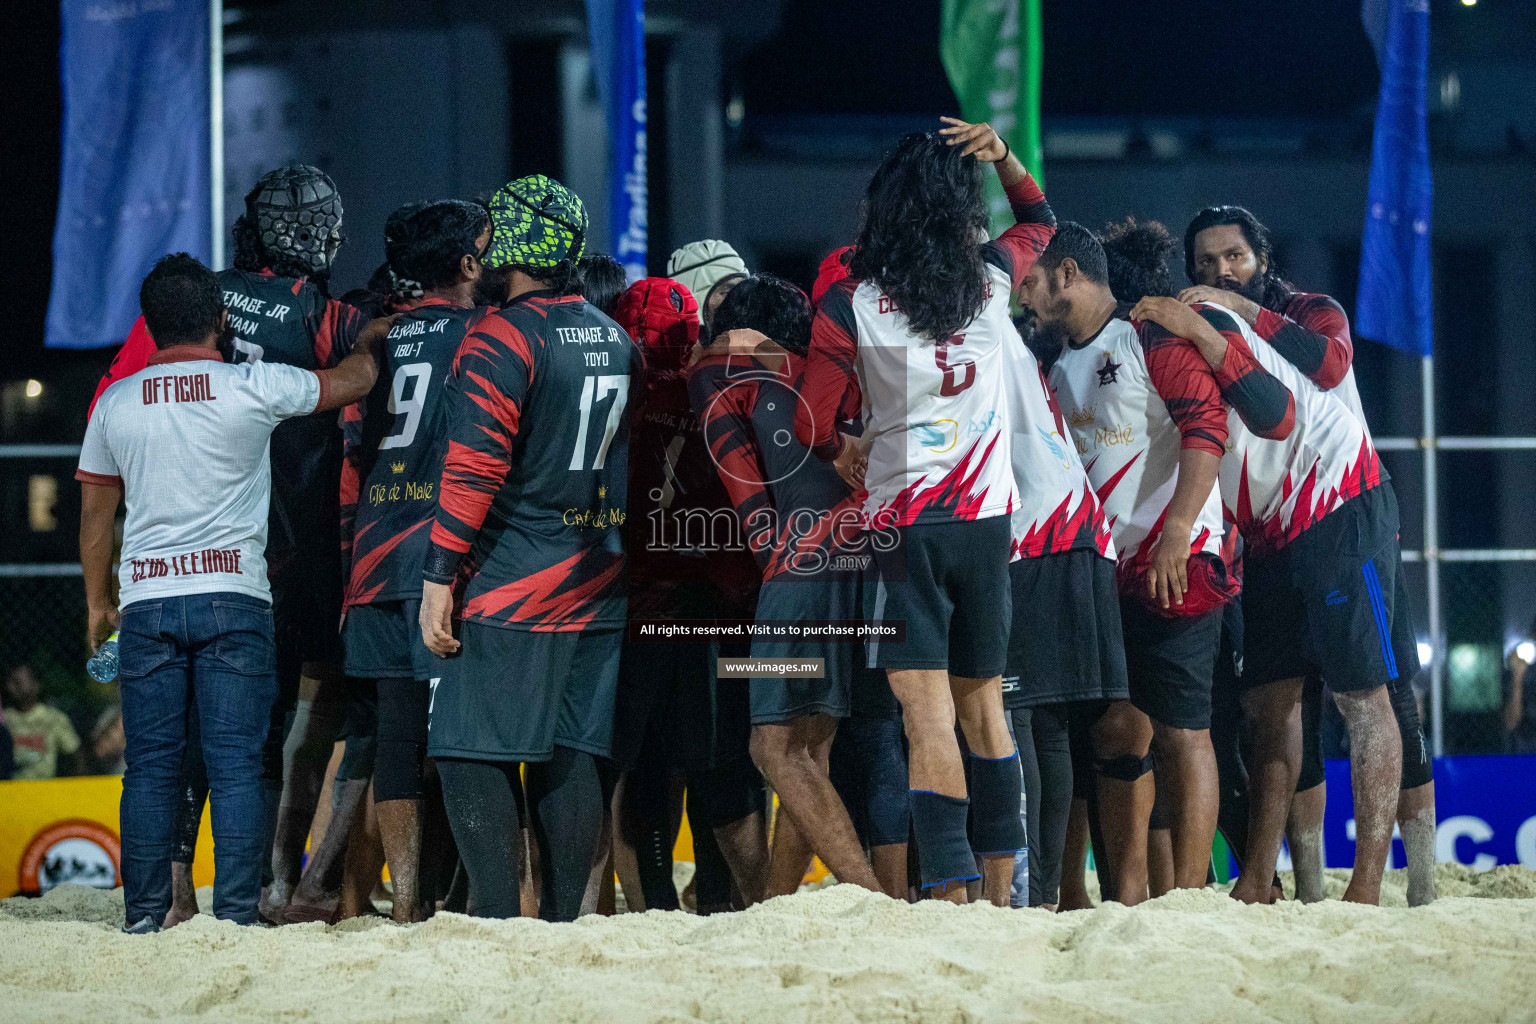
938, 825
397, 770
402, 710
1124, 768
996, 824
402, 739
725, 794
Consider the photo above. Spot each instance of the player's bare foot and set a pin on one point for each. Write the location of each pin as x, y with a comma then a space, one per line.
183, 895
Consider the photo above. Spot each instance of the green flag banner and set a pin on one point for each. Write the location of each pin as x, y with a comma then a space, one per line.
992, 53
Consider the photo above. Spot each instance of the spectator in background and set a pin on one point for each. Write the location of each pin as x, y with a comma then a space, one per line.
1519, 713
39, 733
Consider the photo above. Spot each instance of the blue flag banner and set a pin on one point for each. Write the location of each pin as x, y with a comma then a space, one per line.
135, 174
617, 31
1395, 304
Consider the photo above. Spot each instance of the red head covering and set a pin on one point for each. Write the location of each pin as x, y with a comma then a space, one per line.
662, 318
832, 270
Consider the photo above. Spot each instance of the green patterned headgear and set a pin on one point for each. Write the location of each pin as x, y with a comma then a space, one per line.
535, 222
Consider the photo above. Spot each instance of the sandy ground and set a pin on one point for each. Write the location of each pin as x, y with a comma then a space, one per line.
831, 955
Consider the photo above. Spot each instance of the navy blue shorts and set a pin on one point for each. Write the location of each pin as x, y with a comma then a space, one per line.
1324, 602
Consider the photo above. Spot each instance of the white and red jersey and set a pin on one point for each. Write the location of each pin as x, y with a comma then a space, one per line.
1122, 429
935, 421
1057, 508
1275, 490
186, 438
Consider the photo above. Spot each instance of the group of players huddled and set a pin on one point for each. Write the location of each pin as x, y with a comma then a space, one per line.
1107, 556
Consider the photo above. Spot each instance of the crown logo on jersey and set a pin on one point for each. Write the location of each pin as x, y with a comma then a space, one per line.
602, 492
397, 467
1082, 417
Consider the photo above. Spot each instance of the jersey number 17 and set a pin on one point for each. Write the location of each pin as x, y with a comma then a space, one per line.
594, 389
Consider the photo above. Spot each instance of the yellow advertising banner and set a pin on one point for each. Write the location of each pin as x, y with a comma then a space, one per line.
66, 830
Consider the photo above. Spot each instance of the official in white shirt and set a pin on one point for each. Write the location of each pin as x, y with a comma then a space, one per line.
184, 442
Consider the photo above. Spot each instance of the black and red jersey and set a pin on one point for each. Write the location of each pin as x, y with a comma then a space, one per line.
799, 518
536, 471
288, 320
682, 529
291, 321
395, 440
1312, 334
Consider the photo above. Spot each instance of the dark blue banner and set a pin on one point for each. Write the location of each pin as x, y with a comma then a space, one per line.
1486, 810
1395, 302
617, 31
135, 174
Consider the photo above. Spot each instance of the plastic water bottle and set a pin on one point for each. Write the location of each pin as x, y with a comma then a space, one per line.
103, 664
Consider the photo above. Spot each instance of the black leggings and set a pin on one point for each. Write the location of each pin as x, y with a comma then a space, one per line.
1045, 756
565, 796
645, 819
868, 768
402, 740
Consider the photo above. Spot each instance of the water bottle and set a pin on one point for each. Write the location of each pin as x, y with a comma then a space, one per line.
103, 664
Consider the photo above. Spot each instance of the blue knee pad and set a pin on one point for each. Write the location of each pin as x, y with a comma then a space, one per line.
996, 827
1125, 768
943, 853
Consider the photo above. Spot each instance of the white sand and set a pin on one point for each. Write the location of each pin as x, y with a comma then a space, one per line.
836, 954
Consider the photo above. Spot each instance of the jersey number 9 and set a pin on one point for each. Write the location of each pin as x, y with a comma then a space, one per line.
420, 373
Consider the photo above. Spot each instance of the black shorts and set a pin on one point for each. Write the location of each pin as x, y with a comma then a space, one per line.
949, 583
383, 641
514, 695
1065, 642
306, 614
671, 710
1324, 602
847, 681
1171, 663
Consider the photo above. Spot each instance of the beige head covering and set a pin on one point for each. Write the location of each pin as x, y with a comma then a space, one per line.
699, 266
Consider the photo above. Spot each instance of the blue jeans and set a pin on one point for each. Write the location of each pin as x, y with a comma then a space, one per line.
218, 648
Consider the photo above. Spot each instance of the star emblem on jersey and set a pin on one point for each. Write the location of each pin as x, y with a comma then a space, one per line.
1109, 373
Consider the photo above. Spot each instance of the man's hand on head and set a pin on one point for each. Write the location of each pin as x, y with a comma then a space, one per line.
978, 140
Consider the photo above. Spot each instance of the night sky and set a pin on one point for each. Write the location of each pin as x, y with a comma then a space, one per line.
1258, 58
